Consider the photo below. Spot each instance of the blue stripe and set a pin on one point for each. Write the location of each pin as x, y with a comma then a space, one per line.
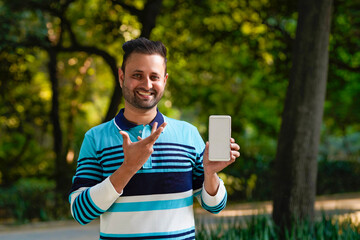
181, 234
118, 158
173, 150
151, 205
112, 162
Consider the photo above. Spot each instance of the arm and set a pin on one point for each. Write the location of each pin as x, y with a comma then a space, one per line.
90, 195
214, 196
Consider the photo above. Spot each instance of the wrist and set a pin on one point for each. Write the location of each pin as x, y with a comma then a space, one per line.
121, 177
129, 168
211, 183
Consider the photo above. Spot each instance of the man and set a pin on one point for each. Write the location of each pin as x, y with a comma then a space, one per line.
140, 171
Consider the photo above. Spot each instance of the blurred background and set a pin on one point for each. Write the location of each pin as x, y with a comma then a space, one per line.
58, 78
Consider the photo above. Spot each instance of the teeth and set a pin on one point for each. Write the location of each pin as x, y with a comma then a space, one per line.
145, 93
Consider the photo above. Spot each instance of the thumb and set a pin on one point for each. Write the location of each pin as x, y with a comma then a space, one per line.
126, 138
206, 151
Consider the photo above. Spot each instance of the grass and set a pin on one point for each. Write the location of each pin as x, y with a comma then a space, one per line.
262, 227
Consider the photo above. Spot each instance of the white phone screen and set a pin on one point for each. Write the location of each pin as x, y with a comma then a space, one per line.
219, 137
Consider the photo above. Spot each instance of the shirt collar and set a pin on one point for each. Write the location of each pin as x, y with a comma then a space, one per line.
123, 124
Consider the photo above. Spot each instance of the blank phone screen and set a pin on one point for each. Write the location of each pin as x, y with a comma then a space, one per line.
219, 137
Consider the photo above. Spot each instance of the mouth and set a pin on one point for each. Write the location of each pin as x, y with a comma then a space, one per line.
145, 94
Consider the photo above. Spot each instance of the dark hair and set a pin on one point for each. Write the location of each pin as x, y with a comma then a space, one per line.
145, 46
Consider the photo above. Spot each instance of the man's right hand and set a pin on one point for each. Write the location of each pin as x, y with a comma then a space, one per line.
135, 156
137, 153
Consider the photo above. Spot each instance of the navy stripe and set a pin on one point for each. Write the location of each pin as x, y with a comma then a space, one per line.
87, 158
79, 174
161, 183
82, 182
108, 148
112, 153
174, 144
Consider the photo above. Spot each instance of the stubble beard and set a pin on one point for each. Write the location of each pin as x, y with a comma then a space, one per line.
132, 98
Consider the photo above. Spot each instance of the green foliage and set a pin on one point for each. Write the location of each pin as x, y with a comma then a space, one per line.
225, 57
31, 199
262, 228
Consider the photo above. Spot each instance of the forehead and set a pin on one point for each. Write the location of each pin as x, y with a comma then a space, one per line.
145, 62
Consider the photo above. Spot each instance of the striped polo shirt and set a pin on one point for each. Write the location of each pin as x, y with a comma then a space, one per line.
157, 203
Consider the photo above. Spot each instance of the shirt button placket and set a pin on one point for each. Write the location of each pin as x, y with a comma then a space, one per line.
144, 134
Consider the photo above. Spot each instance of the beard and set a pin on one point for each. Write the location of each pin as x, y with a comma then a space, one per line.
133, 98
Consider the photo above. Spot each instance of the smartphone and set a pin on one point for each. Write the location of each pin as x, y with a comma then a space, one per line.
219, 137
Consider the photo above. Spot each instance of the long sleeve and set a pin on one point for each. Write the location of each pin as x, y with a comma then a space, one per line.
91, 195
89, 203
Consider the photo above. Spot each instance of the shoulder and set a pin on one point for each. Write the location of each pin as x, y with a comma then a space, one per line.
101, 129
179, 124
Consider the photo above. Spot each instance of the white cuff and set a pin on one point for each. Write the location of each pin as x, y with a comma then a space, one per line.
104, 194
214, 200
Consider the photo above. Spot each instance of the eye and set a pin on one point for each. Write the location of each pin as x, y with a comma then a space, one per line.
137, 75
155, 78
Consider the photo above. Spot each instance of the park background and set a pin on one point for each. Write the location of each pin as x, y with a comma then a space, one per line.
58, 78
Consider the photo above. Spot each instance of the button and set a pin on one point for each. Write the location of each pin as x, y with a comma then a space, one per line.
140, 131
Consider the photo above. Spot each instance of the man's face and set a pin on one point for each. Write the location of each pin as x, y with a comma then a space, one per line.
144, 80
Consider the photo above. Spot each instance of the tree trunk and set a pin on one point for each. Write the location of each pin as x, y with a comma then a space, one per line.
147, 18
296, 159
60, 161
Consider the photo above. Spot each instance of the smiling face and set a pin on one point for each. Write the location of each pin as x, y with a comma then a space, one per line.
143, 81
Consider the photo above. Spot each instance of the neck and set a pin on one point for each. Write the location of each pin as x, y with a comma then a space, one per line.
139, 116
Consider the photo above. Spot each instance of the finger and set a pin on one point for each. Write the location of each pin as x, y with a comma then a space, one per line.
234, 146
163, 125
126, 138
234, 155
154, 127
155, 135
139, 138
232, 140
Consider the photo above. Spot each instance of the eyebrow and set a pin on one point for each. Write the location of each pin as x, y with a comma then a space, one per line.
141, 71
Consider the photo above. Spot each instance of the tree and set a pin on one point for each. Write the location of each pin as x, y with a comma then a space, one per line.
56, 32
296, 158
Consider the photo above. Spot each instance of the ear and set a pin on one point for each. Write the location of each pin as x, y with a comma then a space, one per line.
165, 78
121, 77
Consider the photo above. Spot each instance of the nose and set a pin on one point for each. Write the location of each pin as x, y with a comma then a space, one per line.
147, 83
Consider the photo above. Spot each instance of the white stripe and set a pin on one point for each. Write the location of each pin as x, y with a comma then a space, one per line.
116, 125
147, 222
